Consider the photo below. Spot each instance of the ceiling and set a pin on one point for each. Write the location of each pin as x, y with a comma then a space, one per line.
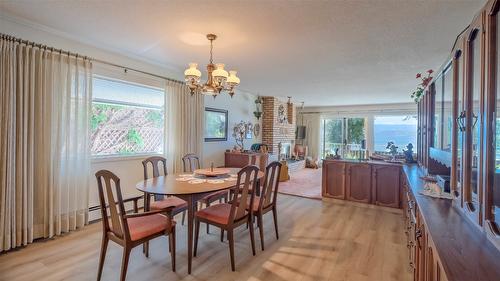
320, 52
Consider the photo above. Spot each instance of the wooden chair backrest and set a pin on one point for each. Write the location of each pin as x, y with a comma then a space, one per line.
110, 196
190, 162
244, 190
270, 186
155, 164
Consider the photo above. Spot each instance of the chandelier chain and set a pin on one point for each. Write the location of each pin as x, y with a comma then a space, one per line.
211, 51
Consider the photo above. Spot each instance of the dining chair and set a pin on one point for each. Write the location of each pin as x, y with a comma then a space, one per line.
128, 230
180, 206
266, 202
191, 162
228, 216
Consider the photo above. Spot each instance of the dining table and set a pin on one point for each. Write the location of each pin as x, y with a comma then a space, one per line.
192, 190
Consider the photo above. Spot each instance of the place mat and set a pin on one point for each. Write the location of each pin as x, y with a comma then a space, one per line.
215, 181
196, 181
183, 179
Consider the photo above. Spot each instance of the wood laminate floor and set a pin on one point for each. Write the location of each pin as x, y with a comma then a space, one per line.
319, 240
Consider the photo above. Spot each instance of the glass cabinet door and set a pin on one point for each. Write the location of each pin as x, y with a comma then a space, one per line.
460, 120
493, 153
448, 119
438, 112
495, 190
473, 121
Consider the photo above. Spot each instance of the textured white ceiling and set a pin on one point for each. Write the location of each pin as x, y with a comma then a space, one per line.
320, 52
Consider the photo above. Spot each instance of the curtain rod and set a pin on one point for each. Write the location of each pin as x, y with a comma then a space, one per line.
40, 46
60, 51
392, 110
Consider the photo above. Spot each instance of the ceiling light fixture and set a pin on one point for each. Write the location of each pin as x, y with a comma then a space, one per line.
218, 79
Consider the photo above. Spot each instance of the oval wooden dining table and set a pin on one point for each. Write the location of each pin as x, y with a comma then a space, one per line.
190, 192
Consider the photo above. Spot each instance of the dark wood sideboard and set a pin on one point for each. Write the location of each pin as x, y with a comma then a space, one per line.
443, 244
372, 182
242, 159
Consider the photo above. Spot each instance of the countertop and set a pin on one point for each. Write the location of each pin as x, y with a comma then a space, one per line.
462, 247
371, 162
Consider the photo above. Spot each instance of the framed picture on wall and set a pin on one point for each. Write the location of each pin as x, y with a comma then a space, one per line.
215, 124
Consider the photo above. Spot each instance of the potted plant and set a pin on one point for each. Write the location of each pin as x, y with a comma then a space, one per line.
424, 82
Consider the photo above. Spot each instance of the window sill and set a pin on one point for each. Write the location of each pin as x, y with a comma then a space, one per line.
114, 158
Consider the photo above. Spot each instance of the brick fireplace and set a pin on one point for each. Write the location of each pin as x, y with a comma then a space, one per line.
278, 124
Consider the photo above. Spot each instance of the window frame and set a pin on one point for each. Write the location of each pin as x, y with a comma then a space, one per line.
134, 81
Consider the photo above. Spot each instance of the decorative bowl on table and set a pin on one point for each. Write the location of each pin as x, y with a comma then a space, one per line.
215, 172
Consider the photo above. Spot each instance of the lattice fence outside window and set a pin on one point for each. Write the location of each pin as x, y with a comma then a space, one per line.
123, 130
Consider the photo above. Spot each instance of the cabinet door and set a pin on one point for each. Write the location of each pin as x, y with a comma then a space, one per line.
386, 185
472, 198
358, 183
334, 179
459, 126
420, 249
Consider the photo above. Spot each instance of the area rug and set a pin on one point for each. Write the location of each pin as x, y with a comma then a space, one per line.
304, 183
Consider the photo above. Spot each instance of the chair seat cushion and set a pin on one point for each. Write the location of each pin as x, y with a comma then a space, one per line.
218, 213
145, 226
179, 204
214, 196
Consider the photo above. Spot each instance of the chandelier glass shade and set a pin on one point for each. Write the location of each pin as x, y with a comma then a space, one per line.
218, 79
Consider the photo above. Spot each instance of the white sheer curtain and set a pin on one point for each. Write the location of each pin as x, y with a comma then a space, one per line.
45, 100
185, 121
312, 121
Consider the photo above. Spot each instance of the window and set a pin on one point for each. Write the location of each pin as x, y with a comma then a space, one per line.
400, 129
215, 124
347, 135
126, 118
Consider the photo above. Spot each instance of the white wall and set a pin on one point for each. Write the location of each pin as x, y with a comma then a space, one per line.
129, 169
240, 108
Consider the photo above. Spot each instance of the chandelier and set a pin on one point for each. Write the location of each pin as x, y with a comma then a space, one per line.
218, 79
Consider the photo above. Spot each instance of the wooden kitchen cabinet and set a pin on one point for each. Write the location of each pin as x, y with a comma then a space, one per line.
334, 175
386, 185
371, 182
358, 182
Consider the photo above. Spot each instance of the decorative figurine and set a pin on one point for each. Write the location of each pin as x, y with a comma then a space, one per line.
336, 156
408, 152
392, 149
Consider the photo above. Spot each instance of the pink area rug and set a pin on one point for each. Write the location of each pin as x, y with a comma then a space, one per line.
303, 183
